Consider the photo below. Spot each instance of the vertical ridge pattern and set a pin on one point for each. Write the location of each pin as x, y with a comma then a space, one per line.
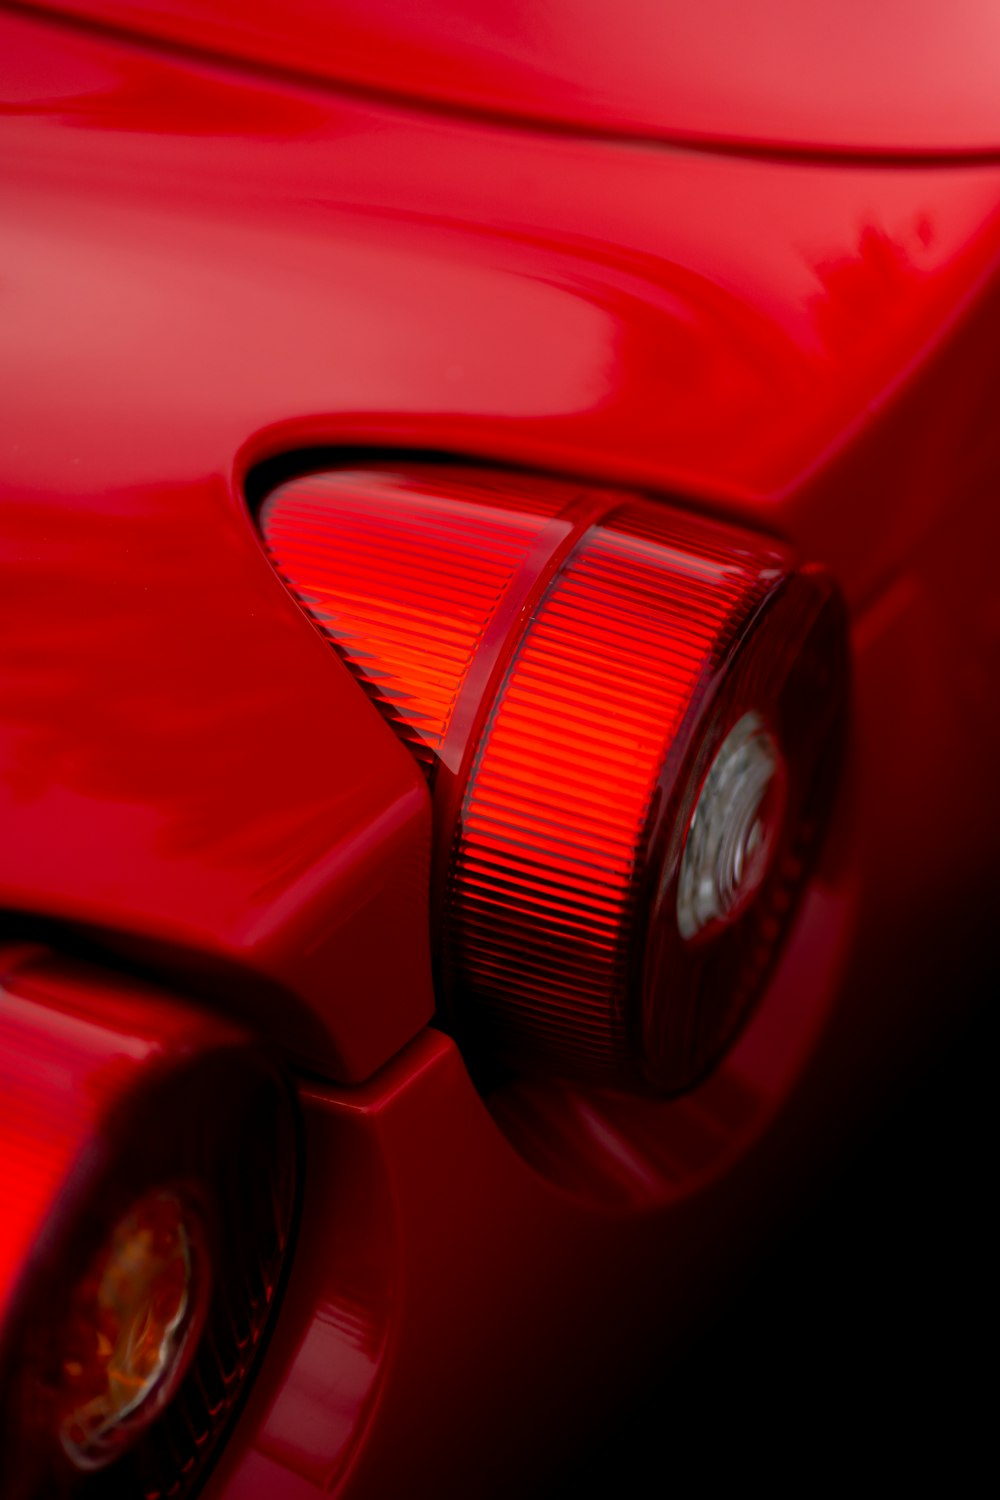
403, 575
543, 885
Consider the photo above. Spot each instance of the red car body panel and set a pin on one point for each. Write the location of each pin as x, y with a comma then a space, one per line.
204, 266
905, 78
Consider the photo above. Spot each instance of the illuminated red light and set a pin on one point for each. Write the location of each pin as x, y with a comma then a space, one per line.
405, 576
630, 717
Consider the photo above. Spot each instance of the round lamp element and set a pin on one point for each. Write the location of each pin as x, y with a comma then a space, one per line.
135, 1321
733, 829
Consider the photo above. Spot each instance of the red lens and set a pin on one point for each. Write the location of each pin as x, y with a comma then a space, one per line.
406, 574
632, 714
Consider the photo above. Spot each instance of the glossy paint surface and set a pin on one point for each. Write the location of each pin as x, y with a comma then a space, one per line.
900, 77
410, 576
313, 270
226, 803
202, 268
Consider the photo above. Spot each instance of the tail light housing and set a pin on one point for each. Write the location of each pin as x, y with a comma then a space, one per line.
149, 1177
630, 719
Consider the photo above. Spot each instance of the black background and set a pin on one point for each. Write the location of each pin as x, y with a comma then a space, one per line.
861, 1346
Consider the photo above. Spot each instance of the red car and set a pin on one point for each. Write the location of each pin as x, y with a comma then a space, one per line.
498, 703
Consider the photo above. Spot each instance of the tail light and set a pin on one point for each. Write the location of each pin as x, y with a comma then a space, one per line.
630, 718
148, 1167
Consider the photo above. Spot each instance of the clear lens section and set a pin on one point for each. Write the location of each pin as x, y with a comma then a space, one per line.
134, 1322
732, 831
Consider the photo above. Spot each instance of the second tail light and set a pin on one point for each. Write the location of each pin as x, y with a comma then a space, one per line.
149, 1156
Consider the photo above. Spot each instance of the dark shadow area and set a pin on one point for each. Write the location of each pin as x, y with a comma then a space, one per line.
860, 1348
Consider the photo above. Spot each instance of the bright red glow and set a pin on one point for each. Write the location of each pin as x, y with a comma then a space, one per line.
405, 580
548, 864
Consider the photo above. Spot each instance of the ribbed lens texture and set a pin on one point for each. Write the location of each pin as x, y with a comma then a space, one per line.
548, 854
404, 580
570, 665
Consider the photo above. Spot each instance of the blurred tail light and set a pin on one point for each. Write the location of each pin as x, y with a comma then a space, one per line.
630, 718
149, 1172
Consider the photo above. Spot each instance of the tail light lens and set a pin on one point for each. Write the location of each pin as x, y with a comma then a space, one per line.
136, 1318
630, 718
149, 1176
